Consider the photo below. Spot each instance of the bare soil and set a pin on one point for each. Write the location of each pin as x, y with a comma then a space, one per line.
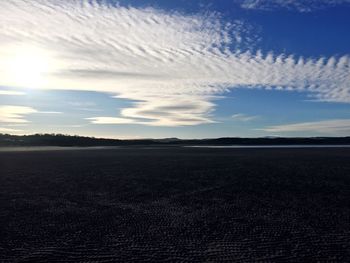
175, 205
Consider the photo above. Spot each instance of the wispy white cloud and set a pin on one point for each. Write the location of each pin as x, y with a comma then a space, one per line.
6, 130
110, 120
297, 5
84, 106
15, 114
173, 66
11, 93
50, 112
326, 126
243, 117
68, 126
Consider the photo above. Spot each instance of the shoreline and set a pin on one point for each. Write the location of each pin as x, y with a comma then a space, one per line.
70, 148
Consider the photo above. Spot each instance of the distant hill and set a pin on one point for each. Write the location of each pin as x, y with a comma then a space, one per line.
66, 140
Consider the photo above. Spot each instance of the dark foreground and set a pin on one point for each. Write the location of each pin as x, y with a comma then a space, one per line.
175, 205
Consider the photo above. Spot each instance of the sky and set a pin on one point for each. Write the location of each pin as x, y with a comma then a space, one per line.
186, 69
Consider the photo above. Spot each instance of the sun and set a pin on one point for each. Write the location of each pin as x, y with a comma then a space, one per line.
28, 67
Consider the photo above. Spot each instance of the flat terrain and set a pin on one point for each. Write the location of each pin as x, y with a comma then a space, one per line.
175, 205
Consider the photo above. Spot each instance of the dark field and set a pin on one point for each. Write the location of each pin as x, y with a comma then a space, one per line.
175, 205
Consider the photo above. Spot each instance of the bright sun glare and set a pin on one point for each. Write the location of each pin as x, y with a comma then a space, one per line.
27, 67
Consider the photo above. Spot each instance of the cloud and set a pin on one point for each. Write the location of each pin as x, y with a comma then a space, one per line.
14, 114
110, 120
50, 112
243, 117
326, 126
11, 93
84, 105
6, 130
297, 5
172, 66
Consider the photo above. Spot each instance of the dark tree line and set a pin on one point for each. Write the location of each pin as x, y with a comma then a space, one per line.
67, 140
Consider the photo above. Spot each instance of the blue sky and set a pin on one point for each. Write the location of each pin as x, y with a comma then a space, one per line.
187, 69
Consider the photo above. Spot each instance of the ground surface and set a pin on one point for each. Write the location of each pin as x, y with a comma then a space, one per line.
175, 205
